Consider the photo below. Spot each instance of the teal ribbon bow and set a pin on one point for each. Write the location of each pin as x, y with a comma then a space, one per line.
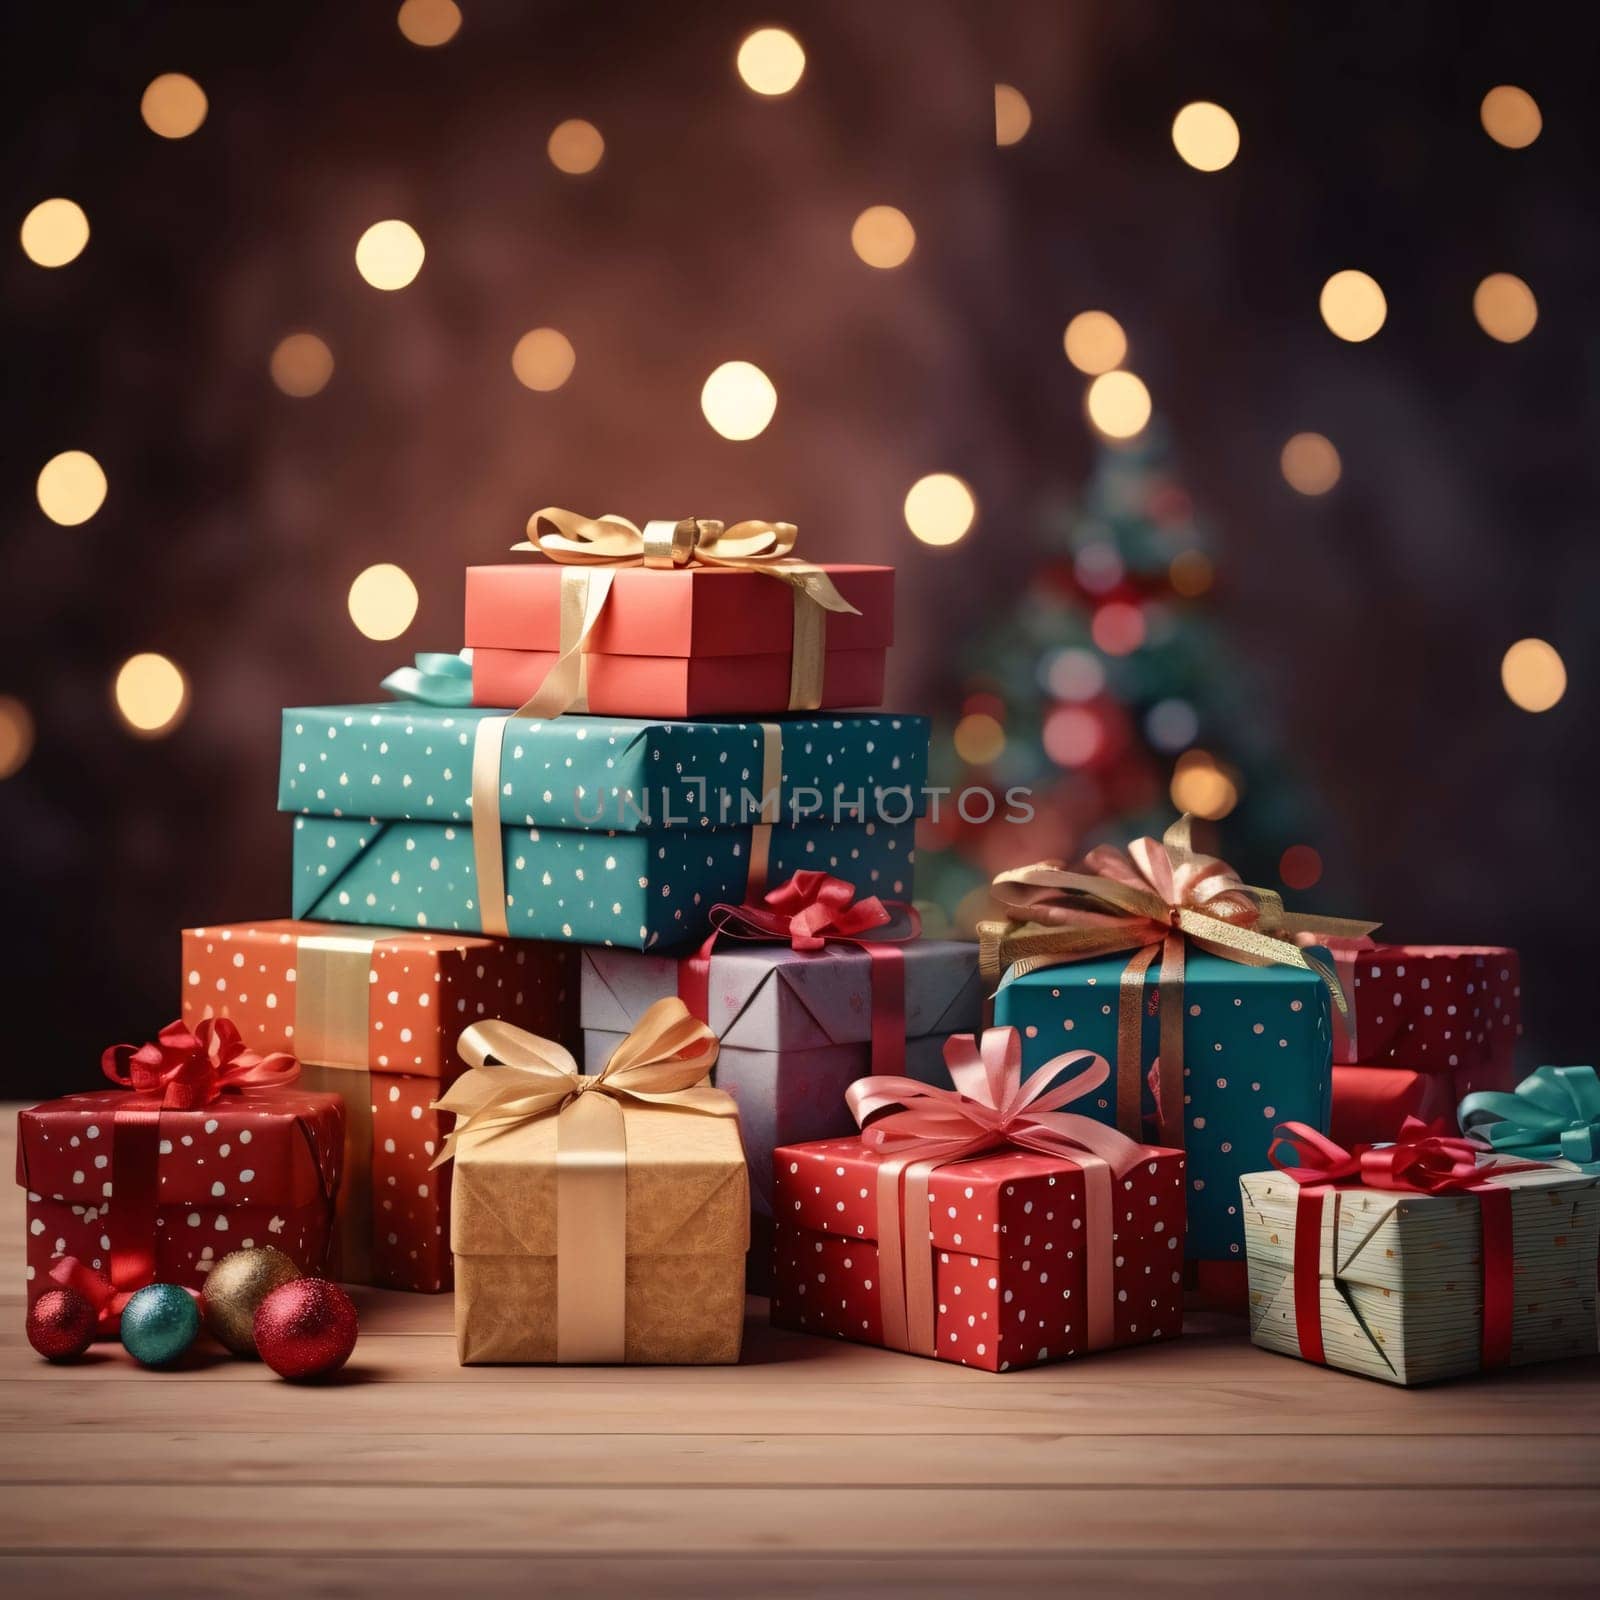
1554, 1115
437, 679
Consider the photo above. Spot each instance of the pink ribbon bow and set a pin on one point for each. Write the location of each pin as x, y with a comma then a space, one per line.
190, 1069
917, 1128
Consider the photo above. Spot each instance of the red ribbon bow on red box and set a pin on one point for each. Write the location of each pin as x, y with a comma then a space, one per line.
809, 912
1424, 1160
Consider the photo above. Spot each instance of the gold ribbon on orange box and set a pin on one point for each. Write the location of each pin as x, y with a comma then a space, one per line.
517, 1077
332, 991
594, 547
1154, 898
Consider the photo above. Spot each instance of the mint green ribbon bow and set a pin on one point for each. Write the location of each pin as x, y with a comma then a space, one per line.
1554, 1115
437, 679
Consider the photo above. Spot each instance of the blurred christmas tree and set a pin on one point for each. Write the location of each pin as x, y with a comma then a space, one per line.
1109, 695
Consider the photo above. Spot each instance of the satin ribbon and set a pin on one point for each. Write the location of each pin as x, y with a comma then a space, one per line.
918, 1128
1155, 898
1422, 1161
181, 1070
809, 912
437, 679
517, 1077
1552, 1115
594, 547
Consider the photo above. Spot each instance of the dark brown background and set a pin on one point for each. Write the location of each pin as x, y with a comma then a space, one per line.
718, 228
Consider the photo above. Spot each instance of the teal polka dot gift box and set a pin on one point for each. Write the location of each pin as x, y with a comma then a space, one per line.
605, 831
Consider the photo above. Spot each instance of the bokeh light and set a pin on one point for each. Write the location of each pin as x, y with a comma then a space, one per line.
383, 601
1353, 305
576, 147
16, 735
301, 365
1201, 787
71, 488
1533, 674
1505, 307
1098, 568
1075, 675
389, 254
1171, 724
1095, 343
1072, 736
151, 693
1300, 867
1013, 116
1118, 405
174, 105
1118, 628
429, 23
738, 400
1310, 464
979, 739
1511, 116
883, 236
54, 233
543, 359
1190, 573
1205, 136
771, 61
940, 508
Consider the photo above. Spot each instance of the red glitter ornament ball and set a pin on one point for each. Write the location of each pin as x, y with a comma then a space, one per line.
306, 1328
61, 1324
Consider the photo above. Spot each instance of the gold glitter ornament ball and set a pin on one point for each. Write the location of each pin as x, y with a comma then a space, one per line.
236, 1286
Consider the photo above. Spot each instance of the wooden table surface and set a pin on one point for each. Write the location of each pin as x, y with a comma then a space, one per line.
814, 1467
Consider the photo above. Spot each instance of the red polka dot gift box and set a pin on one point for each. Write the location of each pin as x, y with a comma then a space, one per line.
209, 1148
374, 1015
1037, 1248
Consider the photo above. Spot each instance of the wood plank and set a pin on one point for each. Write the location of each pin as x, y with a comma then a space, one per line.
798, 1461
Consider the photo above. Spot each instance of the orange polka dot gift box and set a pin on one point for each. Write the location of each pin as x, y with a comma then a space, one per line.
374, 1015
984, 1225
206, 1147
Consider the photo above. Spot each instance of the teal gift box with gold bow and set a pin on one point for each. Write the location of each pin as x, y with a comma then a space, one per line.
594, 830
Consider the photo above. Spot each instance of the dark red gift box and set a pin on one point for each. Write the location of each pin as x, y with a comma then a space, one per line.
1007, 1229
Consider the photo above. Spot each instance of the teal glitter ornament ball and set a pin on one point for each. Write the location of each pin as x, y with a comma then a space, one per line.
159, 1323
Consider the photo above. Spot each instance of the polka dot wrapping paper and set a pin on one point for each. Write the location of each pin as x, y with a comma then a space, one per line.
1007, 1232
1257, 1051
1431, 1008
415, 992
614, 832
261, 1166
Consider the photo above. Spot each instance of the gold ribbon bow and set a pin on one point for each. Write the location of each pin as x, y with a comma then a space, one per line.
595, 546
517, 1077
1153, 898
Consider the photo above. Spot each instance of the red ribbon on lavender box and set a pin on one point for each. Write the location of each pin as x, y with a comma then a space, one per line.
809, 912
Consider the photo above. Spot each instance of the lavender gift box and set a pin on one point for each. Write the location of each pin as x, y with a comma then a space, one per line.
795, 1028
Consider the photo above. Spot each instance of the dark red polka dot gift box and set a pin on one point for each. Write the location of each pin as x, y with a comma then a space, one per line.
1024, 1251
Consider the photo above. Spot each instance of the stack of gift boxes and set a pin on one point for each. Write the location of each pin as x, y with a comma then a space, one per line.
589, 994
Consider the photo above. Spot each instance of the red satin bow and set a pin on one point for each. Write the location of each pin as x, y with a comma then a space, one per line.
807, 911
990, 1107
1424, 1160
191, 1069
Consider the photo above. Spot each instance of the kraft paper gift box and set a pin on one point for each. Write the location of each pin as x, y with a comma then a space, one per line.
1256, 1051
140, 1191
374, 1014
685, 642
610, 832
599, 1229
1026, 1256
1430, 1008
1412, 1287
794, 1028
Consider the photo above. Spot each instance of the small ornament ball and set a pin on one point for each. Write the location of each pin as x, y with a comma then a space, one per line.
235, 1288
61, 1324
306, 1329
159, 1323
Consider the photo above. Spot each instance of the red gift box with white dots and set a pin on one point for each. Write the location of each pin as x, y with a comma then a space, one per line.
423, 988
1431, 1008
1007, 1232
261, 1166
